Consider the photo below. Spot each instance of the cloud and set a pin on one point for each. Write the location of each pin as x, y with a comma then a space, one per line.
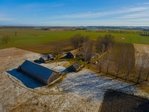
100, 14
4, 18
136, 15
147, 3
138, 22
125, 16
41, 5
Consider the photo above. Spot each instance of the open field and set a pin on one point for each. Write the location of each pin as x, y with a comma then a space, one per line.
43, 40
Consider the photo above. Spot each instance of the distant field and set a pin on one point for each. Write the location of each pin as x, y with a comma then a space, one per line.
41, 40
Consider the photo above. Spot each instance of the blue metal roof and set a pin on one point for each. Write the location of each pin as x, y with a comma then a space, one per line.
36, 71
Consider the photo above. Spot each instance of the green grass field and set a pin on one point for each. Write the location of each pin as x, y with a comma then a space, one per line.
41, 40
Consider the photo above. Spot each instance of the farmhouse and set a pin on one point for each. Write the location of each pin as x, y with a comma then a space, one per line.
38, 72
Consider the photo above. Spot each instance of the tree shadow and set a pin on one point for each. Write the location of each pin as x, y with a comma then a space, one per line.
116, 101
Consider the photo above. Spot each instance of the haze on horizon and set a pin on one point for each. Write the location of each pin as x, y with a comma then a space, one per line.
74, 12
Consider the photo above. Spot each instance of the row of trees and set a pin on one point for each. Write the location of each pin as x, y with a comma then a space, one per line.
144, 33
120, 61
119, 58
87, 46
84, 44
115, 58
104, 43
78, 40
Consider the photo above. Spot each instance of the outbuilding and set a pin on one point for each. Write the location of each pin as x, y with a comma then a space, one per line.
46, 58
38, 72
68, 55
74, 67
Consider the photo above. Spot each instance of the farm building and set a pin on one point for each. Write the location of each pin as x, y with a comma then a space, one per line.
51, 57
71, 54
74, 67
38, 72
46, 58
75, 52
68, 55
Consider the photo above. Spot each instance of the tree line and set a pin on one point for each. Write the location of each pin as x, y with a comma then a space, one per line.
118, 60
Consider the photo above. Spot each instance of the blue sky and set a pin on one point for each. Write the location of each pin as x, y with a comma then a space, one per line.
74, 12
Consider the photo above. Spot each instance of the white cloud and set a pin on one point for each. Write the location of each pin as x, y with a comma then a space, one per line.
100, 14
97, 23
4, 18
135, 15
39, 5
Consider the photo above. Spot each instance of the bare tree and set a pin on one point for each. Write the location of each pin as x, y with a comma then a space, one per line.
119, 55
139, 73
142, 67
78, 40
100, 61
57, 51
130, 59
116, 54
87, 50
99, 66
104, 43
108, 60
147, 75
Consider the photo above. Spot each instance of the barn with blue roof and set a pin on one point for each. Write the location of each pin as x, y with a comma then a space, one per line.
38, 72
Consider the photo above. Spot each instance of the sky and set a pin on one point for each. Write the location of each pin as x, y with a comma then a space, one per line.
74, 12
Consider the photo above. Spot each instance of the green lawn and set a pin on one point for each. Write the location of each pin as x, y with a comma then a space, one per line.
34, 38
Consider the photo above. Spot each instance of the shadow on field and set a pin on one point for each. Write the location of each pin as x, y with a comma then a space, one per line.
115, 101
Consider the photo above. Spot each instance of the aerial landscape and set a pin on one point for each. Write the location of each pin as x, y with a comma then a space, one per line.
74, 56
